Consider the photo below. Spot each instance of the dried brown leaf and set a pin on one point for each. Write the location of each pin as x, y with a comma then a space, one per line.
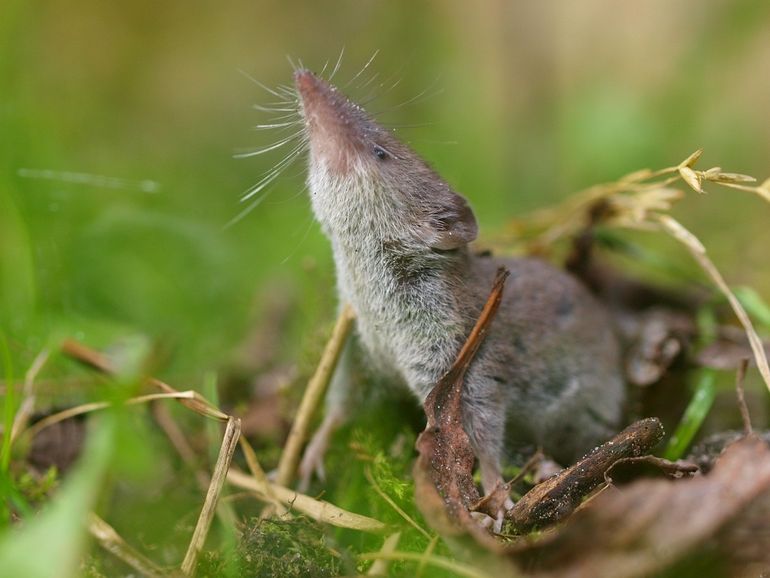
443, 472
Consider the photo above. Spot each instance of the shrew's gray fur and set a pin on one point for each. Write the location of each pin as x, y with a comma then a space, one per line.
549, 370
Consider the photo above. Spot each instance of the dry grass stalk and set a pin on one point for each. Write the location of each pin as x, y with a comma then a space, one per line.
191, 399
229, 443
180, 443
742, 406
27, 406
97, 405
380, 566
426, 555
641, 200
194, 401
316, 509
696, 248
439, 562
259, 475
111, 541
314, 392
629, 202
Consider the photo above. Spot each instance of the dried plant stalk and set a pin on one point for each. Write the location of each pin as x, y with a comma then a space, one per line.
315, 509
438, 561
259, 475
192, 399
696, 248
314, 392
380, 566
97, 405
226, 451
111, 541
27, 406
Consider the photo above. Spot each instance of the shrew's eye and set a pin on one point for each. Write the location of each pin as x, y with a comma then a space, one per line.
381, 153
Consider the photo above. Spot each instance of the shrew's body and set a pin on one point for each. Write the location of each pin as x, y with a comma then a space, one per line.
549, 370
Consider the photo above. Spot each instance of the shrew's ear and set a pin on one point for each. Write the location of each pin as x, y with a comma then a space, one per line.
450, 225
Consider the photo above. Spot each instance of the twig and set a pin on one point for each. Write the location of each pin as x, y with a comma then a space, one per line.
315, 509
111, 541
229, 443
315, 390
745, 416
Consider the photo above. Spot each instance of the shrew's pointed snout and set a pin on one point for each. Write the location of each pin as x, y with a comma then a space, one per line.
335, 126
306, 82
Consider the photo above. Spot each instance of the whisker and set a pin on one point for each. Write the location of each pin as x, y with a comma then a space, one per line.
337, 66
376, 52
276, 125
293, 115
408, 125
308, 226
291, 63
253, 205
417, 98
268, 148
323, 69
261, 108
259, 84
288, 92
368, 82
375, 96
270, 175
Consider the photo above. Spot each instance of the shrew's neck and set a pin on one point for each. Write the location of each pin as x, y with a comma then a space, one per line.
409, 304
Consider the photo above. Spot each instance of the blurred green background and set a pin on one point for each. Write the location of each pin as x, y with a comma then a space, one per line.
119, 121
525, 103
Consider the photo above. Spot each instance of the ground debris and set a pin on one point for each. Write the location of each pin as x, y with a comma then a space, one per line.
557, 497
656, 525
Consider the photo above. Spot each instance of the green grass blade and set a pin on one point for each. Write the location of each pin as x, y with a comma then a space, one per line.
755, 306
9, 404
694, 415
